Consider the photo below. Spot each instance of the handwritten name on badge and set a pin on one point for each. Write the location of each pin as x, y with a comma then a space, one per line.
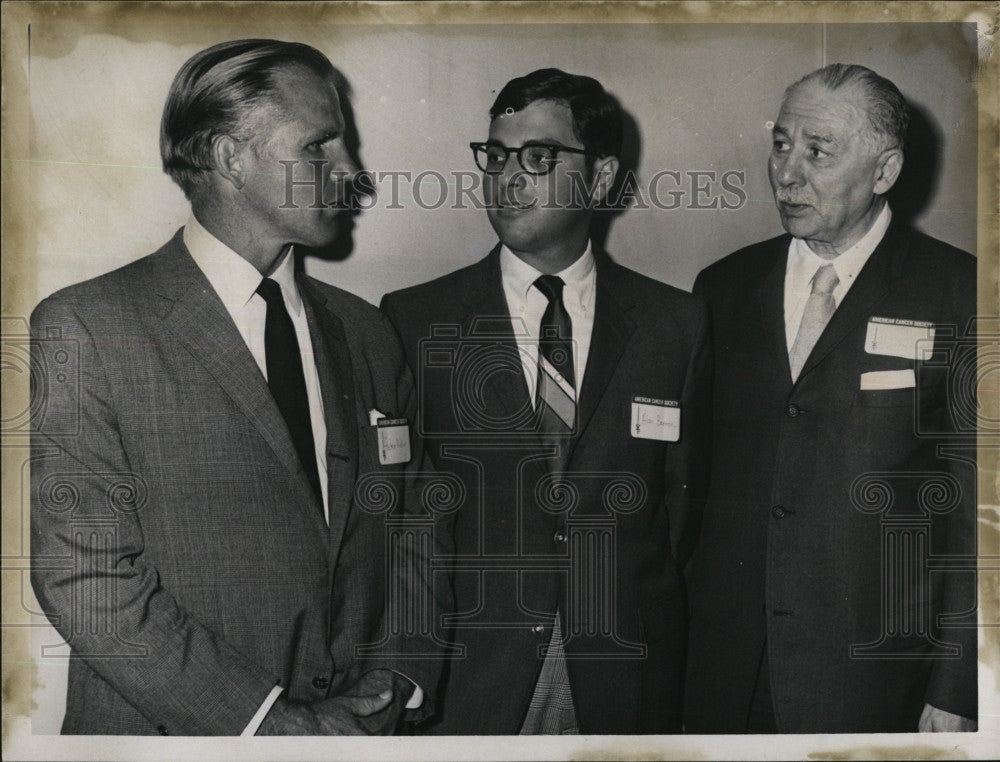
656, 419
393, 441
910, 339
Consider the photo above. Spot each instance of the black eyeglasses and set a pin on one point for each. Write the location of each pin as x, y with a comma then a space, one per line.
535, 159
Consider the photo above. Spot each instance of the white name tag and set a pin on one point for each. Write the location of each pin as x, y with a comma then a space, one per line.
888, 379
910, 339
656, 419
393, 441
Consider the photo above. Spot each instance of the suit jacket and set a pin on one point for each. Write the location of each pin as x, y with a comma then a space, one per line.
833, 509
599, 528
176, 542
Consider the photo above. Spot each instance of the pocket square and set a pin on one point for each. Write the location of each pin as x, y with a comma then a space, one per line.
888, 379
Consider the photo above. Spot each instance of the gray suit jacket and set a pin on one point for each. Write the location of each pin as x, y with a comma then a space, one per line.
176, 544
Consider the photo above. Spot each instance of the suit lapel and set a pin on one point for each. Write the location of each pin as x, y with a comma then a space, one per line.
870, 288
612, 330
486, 315
336, 380
193, 313
771, 298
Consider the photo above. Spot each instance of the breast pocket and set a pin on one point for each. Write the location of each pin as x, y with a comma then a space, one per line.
885, 397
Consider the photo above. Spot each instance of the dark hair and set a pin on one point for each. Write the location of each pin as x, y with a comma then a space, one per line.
215, 92
888, 113
597, 117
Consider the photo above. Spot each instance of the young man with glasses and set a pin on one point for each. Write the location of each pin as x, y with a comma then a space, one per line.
568, 396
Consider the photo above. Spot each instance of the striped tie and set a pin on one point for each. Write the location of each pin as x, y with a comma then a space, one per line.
556, 393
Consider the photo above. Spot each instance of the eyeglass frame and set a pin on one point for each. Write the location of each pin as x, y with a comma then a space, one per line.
556, 149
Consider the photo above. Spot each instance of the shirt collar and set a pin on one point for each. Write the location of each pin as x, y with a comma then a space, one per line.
520, 276
849, 263
234, 279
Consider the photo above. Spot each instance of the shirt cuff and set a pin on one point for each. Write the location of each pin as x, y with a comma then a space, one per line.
254, 725
417, 697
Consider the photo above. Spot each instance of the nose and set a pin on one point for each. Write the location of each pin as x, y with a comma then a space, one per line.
342, 165
786, 168
512, 175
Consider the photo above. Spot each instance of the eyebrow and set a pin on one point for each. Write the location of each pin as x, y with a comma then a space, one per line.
533, 142
821, 138
322, 136
813, 136
545, 142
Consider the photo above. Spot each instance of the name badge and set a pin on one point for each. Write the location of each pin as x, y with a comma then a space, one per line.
656, 419
909, 339
393, 441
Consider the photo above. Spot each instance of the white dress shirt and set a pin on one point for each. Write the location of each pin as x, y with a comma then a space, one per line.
235, 281
803, 264
527, 305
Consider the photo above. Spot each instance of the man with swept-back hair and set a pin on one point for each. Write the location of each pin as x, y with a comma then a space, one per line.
570, 396
197, 535
833, 588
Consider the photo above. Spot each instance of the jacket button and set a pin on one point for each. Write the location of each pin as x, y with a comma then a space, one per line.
162, 730
778, 512
793, 410
560, 536
321, 683
538, 629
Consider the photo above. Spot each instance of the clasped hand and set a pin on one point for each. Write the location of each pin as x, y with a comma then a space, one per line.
372, 706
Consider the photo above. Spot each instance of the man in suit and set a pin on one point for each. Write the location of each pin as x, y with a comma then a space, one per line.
199, 535
833, 586
569, 396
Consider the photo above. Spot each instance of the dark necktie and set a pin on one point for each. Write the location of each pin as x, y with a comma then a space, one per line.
556, 392
286, 379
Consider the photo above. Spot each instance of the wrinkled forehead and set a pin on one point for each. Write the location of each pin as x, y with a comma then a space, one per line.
814, 107
300, 95
298, 85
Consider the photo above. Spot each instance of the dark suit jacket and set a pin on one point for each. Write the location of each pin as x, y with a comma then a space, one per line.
606, 547
176, 543
819, 491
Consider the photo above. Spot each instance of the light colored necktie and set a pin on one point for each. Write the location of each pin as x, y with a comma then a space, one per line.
819, 309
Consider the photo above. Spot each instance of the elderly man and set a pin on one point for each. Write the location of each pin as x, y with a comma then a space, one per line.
570, 396
197, 537
819, 602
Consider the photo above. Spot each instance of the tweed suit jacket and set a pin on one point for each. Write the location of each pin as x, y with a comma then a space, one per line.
176, 543
599, 529
840, 526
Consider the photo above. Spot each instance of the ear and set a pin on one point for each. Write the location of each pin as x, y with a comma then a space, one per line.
890, 164
229, 160
605, 172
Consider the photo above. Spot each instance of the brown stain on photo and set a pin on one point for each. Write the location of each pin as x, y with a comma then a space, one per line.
911, 751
